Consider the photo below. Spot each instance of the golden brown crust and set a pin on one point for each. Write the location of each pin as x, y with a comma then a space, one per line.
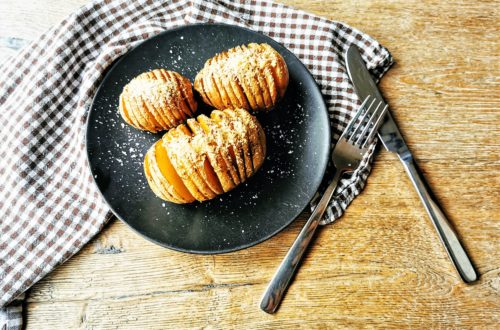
252, 77
209, 156
233, 139
209, 149
243, 137
157, 100
180, 163
192, 164
216, 133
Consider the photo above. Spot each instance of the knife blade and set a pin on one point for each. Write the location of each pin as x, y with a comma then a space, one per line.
393, 141
364, 86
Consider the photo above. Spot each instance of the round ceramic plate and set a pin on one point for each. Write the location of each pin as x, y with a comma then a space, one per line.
298, 139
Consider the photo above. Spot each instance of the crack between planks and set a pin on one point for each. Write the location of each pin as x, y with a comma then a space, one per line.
203, 288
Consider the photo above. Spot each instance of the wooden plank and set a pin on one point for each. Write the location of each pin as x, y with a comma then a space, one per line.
25, 23
234, 307
382, 264
397, 265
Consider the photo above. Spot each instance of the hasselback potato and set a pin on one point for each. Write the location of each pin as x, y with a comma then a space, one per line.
205, 157
157, 100
252, 77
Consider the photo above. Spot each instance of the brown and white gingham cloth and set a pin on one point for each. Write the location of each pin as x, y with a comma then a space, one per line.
49, 205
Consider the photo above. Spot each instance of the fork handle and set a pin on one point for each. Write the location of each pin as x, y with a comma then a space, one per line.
276, 289
446, 233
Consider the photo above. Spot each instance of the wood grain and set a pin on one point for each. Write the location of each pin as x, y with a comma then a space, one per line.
382, 264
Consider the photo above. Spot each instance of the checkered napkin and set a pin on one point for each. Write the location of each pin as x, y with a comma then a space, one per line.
49, 205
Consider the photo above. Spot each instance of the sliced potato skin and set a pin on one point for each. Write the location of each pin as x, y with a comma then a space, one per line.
253, 77
180, 164
214, 158
157, 100
160, 185
230, 135
194, 167
209, 155
216, 132
243, 137
257, 143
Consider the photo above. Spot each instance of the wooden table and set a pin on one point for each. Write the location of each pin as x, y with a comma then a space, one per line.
382, 264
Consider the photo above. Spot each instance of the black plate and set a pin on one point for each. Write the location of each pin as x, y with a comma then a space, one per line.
298, 139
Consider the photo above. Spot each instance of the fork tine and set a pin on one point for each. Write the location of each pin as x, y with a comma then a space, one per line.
361, 121
368, 123
353, 119
375, 126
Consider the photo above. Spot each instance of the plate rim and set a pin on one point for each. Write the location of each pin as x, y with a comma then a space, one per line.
108, 71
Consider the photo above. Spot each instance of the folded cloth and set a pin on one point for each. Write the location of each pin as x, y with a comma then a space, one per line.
50, 207
11, 317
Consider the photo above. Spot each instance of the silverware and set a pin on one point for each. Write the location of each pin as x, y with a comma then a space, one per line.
394, 142
346, 156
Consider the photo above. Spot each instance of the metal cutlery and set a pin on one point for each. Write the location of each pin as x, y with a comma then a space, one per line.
393, 141
346, 156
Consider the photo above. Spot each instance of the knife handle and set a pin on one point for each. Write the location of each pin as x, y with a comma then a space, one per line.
446, 233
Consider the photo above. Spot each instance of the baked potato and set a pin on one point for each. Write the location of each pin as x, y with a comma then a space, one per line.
205, 157
252, 77
157, 100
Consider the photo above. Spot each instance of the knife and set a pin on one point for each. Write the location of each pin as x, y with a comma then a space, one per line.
393, 141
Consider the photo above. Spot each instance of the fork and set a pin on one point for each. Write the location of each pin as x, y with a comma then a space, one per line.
348, 153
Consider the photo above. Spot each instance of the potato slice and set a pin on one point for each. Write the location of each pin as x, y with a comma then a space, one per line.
123, 110
244, 139
165, 188
258, 149
211, 178
187, 96
216, 160
193, 162
266, 80
159, 181
267, 102
168, 105
126, 108
215, 94
156, 124
224, 97
280, 72
158, 192
227, 83
209, 90
166, 116
231, 133
212, 130
168, 171
247, 82
200, 86
174, 147
180, 102
213, 163
149, 120
271, 85
235, 93
204, 170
